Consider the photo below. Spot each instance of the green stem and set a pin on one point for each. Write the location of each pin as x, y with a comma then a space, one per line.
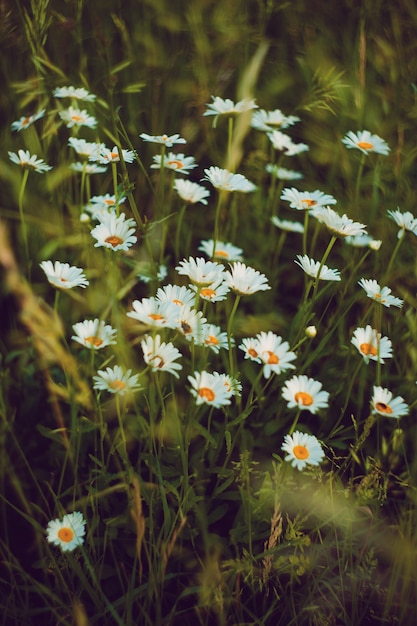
229, 332
178, 230
21, 213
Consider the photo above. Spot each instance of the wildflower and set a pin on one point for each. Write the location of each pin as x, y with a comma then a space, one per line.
152, 312
175, 294
288, 225
406, 221
371, 345
341, 226
245, 280
233, 385
76, 93
302, 200
85, 149
27, 121
64, 276
311, 332
161, 356
28, 162
281, 141
75, 117
363, 241
191, 192
107, 155
209, 389
67, 533
177, 162
94, 334
303, 449
220, 250
381, 295
365, 142
219, 106
271, 120
250, 346
166, 140
116, 380
305, 393
115, 232
87, 168
312, 269
191, 324
214, 338
107, 201
274, 354
200, 271
282, 173
226, 181
383, 403
214, 292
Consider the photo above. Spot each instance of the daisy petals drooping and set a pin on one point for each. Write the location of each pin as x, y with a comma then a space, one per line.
312, 268
302, 449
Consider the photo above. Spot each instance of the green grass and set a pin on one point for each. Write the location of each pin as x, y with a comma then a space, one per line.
193, 515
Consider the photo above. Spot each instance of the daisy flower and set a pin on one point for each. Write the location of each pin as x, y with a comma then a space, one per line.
214, 338
341, 226
27, 121
94, 334
219, 106
311, 268
75, 117
67, 533
406, 221
76, 93
28, 162
200, 271
288, 225
153, 312
115, 232
209, 389
64, 276
87, 168
271, 120
107, 201
166, 140
191, 324
233, 385
302, 449
161, 356
191, 192
116, 380
302, 200
222, 251
215, 292
383, 403
106, 155
245, 280
363, 241
282, 173
282, 142
175, 294
85, 149
177, 162
365, 142
250, 346
371, 345
381, 295
305, 393
274, 354
226, 181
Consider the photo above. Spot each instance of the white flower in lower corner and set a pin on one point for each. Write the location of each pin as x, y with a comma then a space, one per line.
380, 294
63, 275
161, 356
209, 389
274, 353
371, 345
115, 232
312, 268
94, 334
383, 403
67, 533
245, 280
305, 393
302, 449
116, 380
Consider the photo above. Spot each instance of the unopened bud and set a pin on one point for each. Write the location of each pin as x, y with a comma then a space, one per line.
311, 332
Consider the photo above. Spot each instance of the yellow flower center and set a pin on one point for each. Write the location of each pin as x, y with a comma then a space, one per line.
177, 165
308, 202
383, 408
208, 394
113, 155
368, 349
76, 118
178, 302
114, 240
109, 202
300, 452
221, 253
156, 316
26, 121
272, 358
186, 328
252, 352
207, 292
304, 398
365, 145
118, 385
211, 340
94, 341
66, 534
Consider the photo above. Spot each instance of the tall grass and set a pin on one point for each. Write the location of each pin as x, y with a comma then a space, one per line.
193, 515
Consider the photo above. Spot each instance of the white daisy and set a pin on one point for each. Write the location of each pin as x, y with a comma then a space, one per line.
161, 356
214, 292
282, 142
364, 241
112, 155
250, 346
209, 389
371, 345
87, 168
381, 295
191, 192
221, 106
28, 162
311, 268
245, 280
153, 312
67, 533
226, 181
305, 393
75, 117
302, 449
94, 334
214, 338
268, 121
115, 232
191, 324
116, 380
178, 295
27, 121
282, 173
383, 403
406, 221
177, 162
233, 385
288, 225
85, 149
302, 200
63, 275
341, 226
365, 142
166, 140
76, 93
220, 250
274, 353
200, 271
